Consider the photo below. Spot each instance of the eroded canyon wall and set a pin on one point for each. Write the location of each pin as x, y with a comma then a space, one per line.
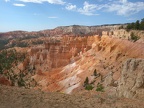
105, 54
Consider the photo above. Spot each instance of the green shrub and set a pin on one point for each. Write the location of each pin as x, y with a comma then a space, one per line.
37, 42
3, 43
100, 88
21, 82
89, 87
9, 58
134, 37
138, 25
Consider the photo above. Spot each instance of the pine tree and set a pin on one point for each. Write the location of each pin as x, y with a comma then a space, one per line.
86, 82
129, 27
137, 25
133, 25
95, 72
142, 24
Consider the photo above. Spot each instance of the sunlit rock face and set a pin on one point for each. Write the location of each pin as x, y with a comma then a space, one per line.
63, 65
131, 82
73, 30
56, 53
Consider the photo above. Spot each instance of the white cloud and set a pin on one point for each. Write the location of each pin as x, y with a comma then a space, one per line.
123, 1
125, 8
52, 17
6, 0
120, 7
71, 7
20, 5
88, 9
41, 1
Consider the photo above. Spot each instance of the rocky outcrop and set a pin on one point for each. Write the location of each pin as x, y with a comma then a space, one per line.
105, 54
62, 63
124, 34
74, 30
28, 39
57, 53
4, 81
131, 82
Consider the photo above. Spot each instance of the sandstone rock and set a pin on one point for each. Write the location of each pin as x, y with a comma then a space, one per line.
66, 61
74, 30
131, 82
4, 81
108, 80
105, 54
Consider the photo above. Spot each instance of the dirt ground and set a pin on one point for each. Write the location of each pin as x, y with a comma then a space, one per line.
13, 97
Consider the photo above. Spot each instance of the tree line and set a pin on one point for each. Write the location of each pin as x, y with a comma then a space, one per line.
138, 25
9, 58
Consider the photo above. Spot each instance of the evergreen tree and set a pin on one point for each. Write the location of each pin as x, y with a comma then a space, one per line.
95, 72
142, 24
133, 25
134, 37
86, 82
129, 27
137, 25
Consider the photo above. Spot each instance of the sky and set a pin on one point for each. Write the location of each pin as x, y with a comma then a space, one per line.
35, 15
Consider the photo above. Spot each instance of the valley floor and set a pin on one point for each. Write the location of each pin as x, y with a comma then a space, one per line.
13, 97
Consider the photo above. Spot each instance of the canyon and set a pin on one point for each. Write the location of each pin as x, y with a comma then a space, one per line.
65, 57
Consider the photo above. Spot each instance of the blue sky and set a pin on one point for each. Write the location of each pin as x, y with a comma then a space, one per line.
33, 15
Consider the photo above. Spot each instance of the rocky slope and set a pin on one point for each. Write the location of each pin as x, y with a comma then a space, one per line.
27, 39
12, 97
63, 62
106, 55
131, 82
62, 30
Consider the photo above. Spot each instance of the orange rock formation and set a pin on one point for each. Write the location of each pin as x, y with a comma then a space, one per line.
65, 63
